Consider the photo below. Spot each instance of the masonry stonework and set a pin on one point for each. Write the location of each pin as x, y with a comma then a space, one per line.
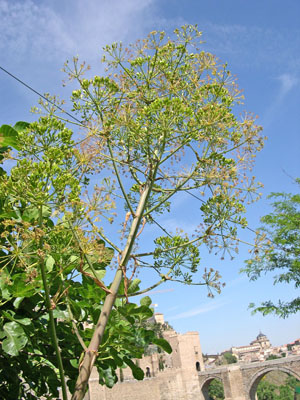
184, 376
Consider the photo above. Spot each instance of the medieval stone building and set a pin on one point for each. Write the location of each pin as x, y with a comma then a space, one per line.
167, 376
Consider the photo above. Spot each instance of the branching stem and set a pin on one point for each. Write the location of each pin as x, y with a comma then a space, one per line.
51, 317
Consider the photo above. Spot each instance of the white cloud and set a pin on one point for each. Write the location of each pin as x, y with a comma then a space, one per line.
253, 46
287, 83
213, 305
28, 30
159, 291
51, 31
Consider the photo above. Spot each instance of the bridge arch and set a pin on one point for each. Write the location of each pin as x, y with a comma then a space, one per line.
261, 373
205, 385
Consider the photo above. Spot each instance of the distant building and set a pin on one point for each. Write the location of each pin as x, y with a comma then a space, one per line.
257, 350
262, 341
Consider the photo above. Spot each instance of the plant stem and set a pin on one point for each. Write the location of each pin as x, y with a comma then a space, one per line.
91, 353
51, 318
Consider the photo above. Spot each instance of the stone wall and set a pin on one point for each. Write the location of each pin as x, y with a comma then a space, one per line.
166, 385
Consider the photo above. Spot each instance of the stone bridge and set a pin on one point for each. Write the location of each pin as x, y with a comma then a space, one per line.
240, 380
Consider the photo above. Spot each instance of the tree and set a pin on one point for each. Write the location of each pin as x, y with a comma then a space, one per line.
40, 259
266, 391
216, 390
279, 249
272, 357
161, 122
269, 391
229, 358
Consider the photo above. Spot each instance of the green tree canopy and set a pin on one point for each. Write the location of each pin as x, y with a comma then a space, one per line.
278, 249
216, 390
229, 358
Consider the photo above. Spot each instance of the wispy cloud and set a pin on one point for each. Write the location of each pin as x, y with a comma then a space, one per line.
287, 82
200, 310
160, 291
49, 31
253, 46
237, 281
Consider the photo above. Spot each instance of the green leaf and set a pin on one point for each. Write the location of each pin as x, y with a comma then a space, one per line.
17, 302
163, 344
134, 286
137, 372
22, 289
116, 357
49, 263
4, 280
146, 301
21, 126
16, 338
143, 311
9, 137
108, 376
100, 274
23, 321
32, 213
61, 314
74, 363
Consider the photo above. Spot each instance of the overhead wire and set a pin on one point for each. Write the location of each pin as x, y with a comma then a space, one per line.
80, 122
39, 94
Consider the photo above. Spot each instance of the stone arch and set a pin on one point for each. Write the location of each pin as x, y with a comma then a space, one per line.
261, 373
205, 385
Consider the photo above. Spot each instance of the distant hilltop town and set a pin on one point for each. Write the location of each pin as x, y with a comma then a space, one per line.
259, 349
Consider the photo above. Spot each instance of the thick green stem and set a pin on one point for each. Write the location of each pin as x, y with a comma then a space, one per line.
91, 353
51, 318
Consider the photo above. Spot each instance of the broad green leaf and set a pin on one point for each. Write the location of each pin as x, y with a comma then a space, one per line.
17, 302
32, 213
23, 321
50, 263
15, 340
4, 280
61, 314
137, 372
21, 126
74, 363
9, 137
143, 311
163, 344
134, 286
21, 288
73, 258
100, 274
116, 357
146, 301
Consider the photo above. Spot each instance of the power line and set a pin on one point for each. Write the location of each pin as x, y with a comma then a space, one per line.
80, 122
40, 95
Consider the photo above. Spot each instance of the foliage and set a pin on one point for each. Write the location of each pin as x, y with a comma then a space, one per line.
269, 391
279, 249
158, 330
216, 390
28, 362
229, 358
159, 123
272, 357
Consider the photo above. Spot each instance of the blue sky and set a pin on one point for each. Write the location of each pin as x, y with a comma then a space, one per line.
260, 40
